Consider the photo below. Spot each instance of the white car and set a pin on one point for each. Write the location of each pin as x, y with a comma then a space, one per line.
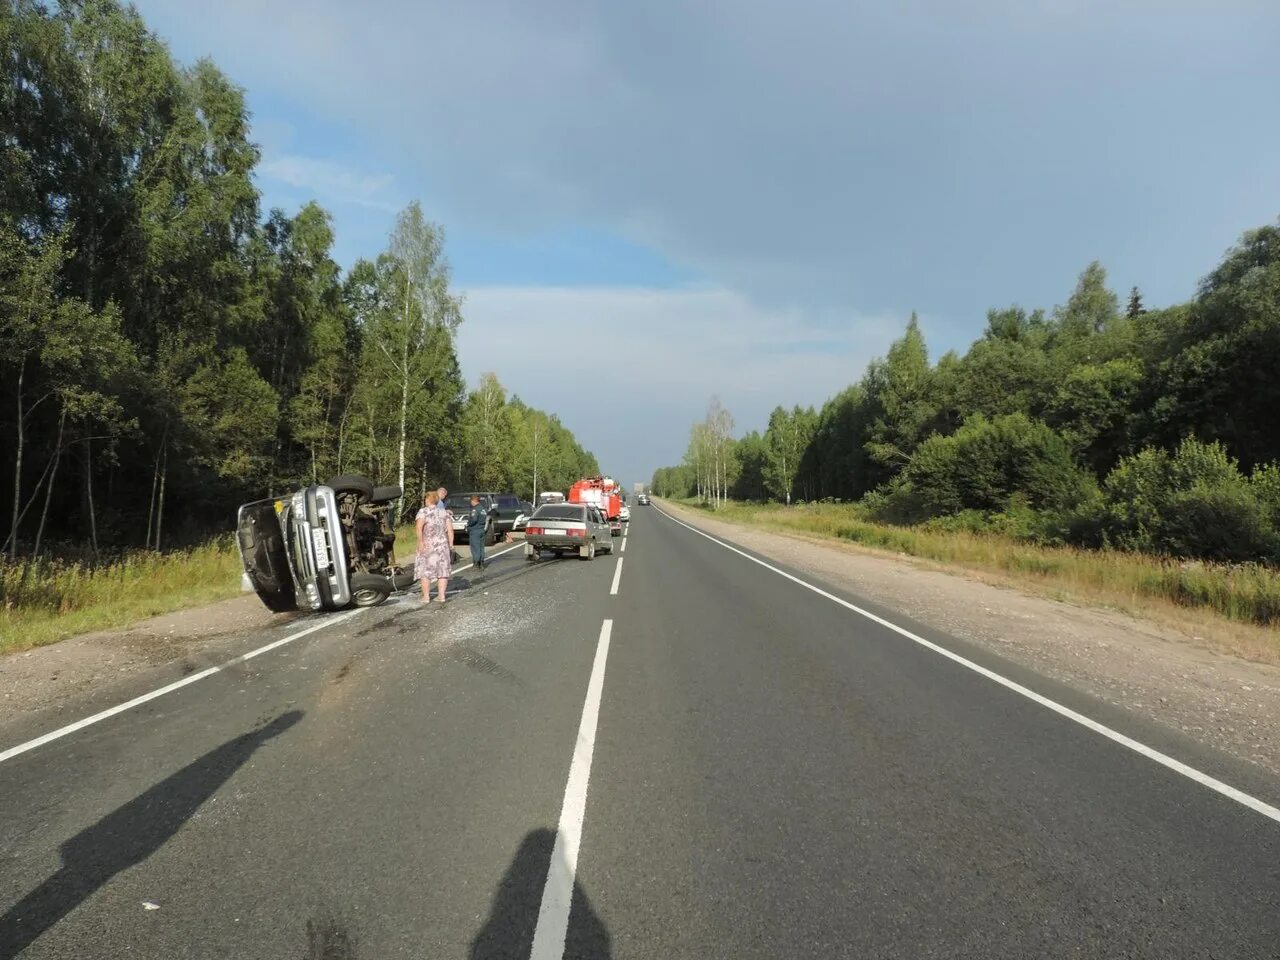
624, 514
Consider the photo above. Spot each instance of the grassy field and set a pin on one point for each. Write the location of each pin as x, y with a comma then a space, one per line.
50, 600
1246, 593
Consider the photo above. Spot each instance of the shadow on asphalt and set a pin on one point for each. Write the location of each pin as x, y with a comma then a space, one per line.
508, 932
329, 939
128, 835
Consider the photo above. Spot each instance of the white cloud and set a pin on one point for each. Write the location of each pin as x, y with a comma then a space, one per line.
628, 368
330, 182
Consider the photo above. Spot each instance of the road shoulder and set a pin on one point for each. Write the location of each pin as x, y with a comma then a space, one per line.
152, 651
1225, 702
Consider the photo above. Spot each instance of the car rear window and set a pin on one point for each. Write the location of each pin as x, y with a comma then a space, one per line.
560, 511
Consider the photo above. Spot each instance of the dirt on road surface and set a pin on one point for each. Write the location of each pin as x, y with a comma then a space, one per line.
1226, 702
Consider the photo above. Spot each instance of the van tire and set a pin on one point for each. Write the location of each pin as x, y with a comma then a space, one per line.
353, 483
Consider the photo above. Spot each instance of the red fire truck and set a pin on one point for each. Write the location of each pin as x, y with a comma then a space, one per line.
600, 492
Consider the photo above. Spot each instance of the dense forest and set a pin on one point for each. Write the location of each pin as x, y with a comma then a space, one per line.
1096, 423
169, 350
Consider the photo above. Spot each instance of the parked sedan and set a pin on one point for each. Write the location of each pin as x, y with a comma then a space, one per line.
567, 527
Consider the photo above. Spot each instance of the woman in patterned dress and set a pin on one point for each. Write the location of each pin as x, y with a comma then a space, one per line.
435, 547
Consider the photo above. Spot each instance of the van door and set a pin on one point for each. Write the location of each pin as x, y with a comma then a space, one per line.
263, 554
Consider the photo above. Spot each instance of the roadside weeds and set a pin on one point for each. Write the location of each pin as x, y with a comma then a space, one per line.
48, 600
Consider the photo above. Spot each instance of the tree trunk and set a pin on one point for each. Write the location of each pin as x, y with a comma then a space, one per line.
151, 503
164, 474
342, 437
48, 491
404, 410
155, 485
31, 501
17, 466
88, 491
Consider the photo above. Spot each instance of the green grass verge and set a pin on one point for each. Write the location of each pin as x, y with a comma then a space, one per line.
49, 600
1248, 593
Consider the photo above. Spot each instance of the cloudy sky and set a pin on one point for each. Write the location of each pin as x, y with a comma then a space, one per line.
749, 197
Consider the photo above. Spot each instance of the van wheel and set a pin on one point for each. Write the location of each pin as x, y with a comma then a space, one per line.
369, 590
362, 487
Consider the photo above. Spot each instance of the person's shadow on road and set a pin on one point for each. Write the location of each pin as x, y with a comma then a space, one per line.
127, 836
508, 932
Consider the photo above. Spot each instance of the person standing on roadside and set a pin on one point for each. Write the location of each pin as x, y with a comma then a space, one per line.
434, 560
443, 494
477, 522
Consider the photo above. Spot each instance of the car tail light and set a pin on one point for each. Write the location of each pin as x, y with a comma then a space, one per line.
575, 533
533, 530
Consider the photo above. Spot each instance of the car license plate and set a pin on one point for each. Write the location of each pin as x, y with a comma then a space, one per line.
322, 546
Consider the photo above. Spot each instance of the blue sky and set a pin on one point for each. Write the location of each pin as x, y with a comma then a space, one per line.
757, 193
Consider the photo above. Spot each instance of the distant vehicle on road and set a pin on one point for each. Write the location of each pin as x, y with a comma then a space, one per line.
550, 496
600, 492
643, 500
459, 506
625, 514
567, 528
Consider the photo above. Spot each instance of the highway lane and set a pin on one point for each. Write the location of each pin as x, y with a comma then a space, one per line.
377, 789
779, 777
770, 776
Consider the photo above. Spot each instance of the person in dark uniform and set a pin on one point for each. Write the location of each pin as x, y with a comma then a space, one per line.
477, 520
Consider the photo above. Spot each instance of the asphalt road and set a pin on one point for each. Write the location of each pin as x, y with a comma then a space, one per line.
690, 756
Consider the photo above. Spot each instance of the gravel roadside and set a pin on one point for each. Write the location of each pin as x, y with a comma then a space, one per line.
1229, 703
183, 641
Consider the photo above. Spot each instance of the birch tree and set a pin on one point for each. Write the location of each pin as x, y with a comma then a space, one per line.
416, 319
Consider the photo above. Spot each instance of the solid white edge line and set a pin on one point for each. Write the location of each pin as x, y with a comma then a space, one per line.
185, 681
557, 895
617, 578
1177, 766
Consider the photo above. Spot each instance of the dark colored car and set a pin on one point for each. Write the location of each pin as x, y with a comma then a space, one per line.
324, 547
459, 507
510, 513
